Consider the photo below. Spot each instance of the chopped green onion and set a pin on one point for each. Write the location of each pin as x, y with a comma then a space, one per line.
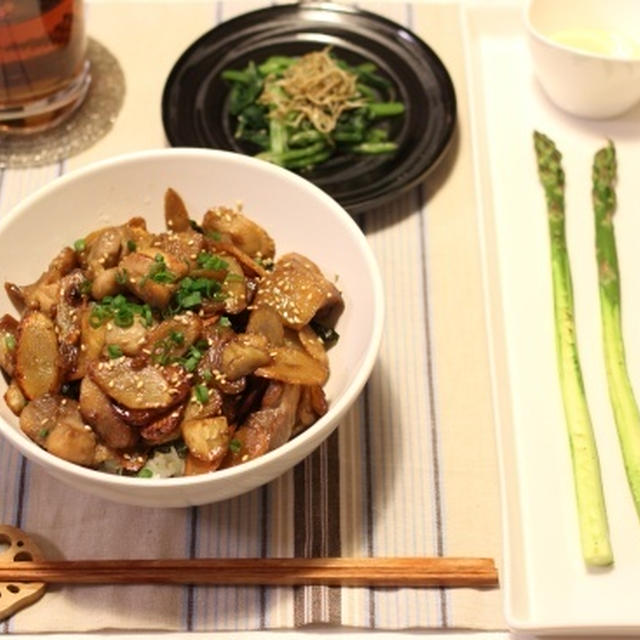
10, 341
192, 358
176, 337
201, 393
159, 272
121, 276
85, 287
114, 351
80, 245
145, 472
235, 445
211, 262
131, 245
120, 310
193, 291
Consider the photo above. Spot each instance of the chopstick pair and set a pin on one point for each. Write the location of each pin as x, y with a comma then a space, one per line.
352, 572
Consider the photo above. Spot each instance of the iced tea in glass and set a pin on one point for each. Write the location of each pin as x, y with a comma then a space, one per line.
44, 71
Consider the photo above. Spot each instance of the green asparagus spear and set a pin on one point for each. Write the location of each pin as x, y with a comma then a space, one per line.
625, 408
592, 516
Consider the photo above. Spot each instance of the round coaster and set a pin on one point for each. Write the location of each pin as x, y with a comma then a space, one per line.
90, 122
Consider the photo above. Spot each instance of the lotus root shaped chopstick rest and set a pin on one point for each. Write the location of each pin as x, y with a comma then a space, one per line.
15, 546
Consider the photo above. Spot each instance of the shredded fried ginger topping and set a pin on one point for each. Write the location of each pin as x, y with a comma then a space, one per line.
314, 87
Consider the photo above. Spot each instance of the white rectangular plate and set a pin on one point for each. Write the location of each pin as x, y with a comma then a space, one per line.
547, 588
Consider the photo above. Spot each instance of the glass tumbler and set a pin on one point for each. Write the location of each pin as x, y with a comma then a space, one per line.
44, 70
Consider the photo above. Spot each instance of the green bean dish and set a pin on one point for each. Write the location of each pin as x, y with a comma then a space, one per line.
302, 111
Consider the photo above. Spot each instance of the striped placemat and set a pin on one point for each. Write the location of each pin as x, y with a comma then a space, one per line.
410, 471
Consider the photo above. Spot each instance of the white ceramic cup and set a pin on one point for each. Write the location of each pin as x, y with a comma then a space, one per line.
584, 83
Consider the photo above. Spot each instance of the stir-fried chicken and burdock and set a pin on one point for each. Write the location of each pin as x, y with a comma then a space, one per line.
166, 354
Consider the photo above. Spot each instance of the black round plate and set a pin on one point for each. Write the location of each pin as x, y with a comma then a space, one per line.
194, 102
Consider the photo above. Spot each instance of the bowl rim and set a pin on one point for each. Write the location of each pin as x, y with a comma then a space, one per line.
336, 409
538, 35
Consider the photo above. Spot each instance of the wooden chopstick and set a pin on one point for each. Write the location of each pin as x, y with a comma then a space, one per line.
356, 572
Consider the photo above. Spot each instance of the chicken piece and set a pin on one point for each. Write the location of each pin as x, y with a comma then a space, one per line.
243, 354
43, 294
183, 245
268, 428
38, 367
296, 290
14, 398
98, 411
207, 438
210, 408
108, 282
102, 250
244, 233
210, 365
151, 275
55, 423
129, 340
136, 235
